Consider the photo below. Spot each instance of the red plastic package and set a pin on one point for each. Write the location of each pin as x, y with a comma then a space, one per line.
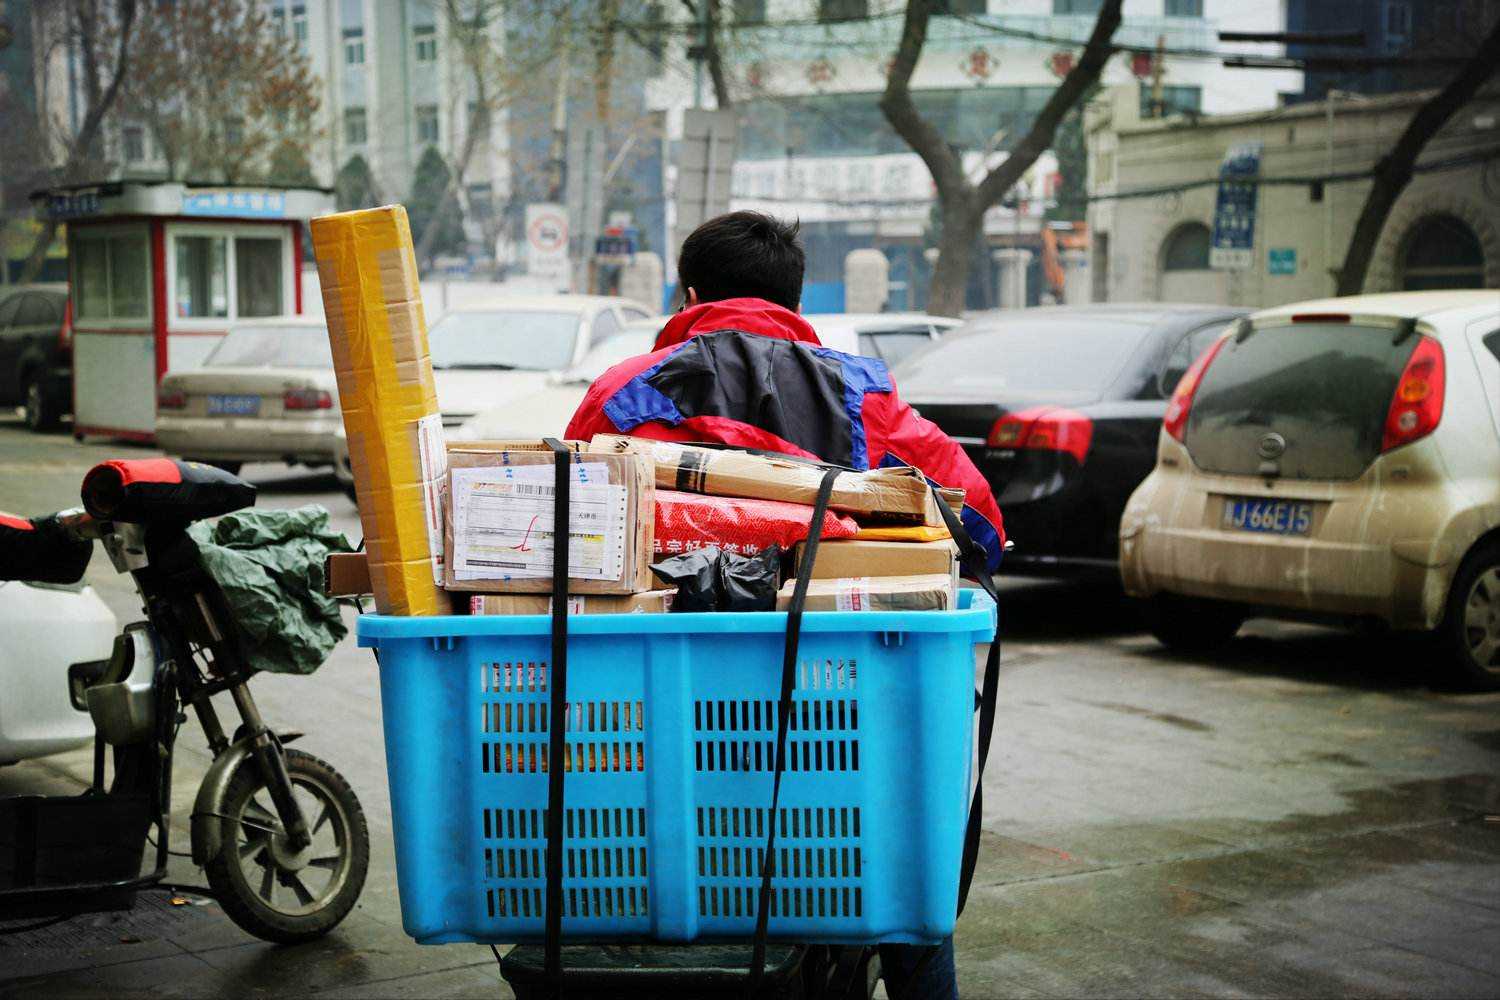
687, 521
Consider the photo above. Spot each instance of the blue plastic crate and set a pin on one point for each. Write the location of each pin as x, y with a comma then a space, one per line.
671, 739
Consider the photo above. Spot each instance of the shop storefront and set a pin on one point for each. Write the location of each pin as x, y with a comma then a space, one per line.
158, 272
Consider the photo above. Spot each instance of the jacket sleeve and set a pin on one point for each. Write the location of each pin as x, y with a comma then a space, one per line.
911, 439
589, 418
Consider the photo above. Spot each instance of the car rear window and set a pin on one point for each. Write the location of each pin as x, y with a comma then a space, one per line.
1062, 360
504, 339
273, 347
1325, 388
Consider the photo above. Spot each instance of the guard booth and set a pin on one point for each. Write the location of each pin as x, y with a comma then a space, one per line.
158, 272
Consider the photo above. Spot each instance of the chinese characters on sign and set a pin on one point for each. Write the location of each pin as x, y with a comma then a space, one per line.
1233, 246
238, 204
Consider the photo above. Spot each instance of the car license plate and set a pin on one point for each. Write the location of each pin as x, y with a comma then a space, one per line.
1274, 517
233, 406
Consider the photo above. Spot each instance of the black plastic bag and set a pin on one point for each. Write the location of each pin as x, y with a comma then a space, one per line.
710, 579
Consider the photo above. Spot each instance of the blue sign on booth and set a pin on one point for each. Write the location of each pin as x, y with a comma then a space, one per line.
235, 204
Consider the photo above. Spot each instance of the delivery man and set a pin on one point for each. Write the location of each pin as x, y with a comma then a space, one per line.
737, 365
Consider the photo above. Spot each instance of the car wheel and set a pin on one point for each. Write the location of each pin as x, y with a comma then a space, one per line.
1471, 625
1190, 624
41, 413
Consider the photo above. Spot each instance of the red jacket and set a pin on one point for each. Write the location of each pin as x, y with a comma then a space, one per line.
747, 372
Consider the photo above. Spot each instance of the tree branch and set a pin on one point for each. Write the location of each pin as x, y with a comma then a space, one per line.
1078, 81
1394, 170
901, 111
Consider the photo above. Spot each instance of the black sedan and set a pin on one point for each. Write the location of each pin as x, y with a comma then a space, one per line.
1060, 407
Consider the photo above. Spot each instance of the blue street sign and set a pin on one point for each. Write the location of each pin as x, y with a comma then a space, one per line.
1234, 209
1281, 260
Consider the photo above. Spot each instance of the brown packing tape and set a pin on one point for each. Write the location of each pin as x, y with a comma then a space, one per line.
378, 337
897, 494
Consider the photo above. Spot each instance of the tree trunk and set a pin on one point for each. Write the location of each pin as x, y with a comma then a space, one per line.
963, 202
1394, 170
950, 277
714, 57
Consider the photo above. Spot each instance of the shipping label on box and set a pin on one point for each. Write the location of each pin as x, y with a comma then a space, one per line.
933, 592
498, 519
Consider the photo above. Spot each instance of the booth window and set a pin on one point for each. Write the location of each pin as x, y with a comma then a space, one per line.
425, 36
202, 277
257, 276
110, 276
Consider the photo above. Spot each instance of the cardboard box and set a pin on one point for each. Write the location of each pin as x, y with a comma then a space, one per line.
896, 494
857, 558
933, 592
651, 602
395, 434
627, 468
346, 574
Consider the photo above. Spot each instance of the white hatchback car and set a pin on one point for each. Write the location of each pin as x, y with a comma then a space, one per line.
1336, 459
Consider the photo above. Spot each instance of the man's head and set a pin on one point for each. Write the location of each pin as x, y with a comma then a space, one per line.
742, 255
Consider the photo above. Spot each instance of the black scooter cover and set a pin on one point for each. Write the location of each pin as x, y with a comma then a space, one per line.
162, 491
40, 551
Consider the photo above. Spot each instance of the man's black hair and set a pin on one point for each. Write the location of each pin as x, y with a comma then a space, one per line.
743, 255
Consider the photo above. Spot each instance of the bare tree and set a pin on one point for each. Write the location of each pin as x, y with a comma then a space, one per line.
222, 87
1394, 170
962, 202
707, 46
95, 28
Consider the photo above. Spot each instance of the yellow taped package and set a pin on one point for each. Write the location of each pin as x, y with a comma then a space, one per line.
395, 433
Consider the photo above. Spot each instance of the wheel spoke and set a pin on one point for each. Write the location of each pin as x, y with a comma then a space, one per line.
268, 883
260, 817
291, 881
330, 862
322, 818
253, 849
1487, 653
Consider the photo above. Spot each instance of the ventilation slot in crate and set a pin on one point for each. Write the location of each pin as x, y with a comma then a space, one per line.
819, 866
603, 847
605, 736
822, 726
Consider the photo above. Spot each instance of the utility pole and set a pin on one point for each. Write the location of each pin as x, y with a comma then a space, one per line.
701, 52
1158, 105
558, 162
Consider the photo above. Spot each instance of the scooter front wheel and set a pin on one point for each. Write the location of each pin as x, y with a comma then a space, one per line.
272, 891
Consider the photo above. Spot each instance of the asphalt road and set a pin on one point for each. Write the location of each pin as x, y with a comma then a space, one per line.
1300, 815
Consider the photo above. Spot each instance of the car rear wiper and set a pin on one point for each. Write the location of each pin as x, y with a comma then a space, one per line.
1243, 329
477, 366
1404, 329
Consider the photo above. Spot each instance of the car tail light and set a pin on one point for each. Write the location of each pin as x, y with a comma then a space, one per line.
306, 399
1044, 428
65, 332
1417, 405
171, 399
1175, 421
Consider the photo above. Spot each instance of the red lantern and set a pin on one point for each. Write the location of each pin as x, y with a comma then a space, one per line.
820, 71
757, 75
1142, 64
979, 65
1061, 63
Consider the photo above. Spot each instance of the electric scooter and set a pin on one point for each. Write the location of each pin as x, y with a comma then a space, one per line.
280, 834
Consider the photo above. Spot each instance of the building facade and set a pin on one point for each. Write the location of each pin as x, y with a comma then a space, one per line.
807, 76
1153, 188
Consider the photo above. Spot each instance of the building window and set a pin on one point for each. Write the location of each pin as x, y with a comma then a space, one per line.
1175, 100
749, 11
843, 10
110, 276
355, 131
1187, 248
425, 39
481, 202
1442, 252
257, 276
354, 46
427, 123
1076, 6
133, 139
201, 289
1184, 8
959, 6
299, 23
1397, 22
234, 132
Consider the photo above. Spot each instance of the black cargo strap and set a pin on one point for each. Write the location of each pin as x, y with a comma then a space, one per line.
783, 715
557, 696
972, 557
